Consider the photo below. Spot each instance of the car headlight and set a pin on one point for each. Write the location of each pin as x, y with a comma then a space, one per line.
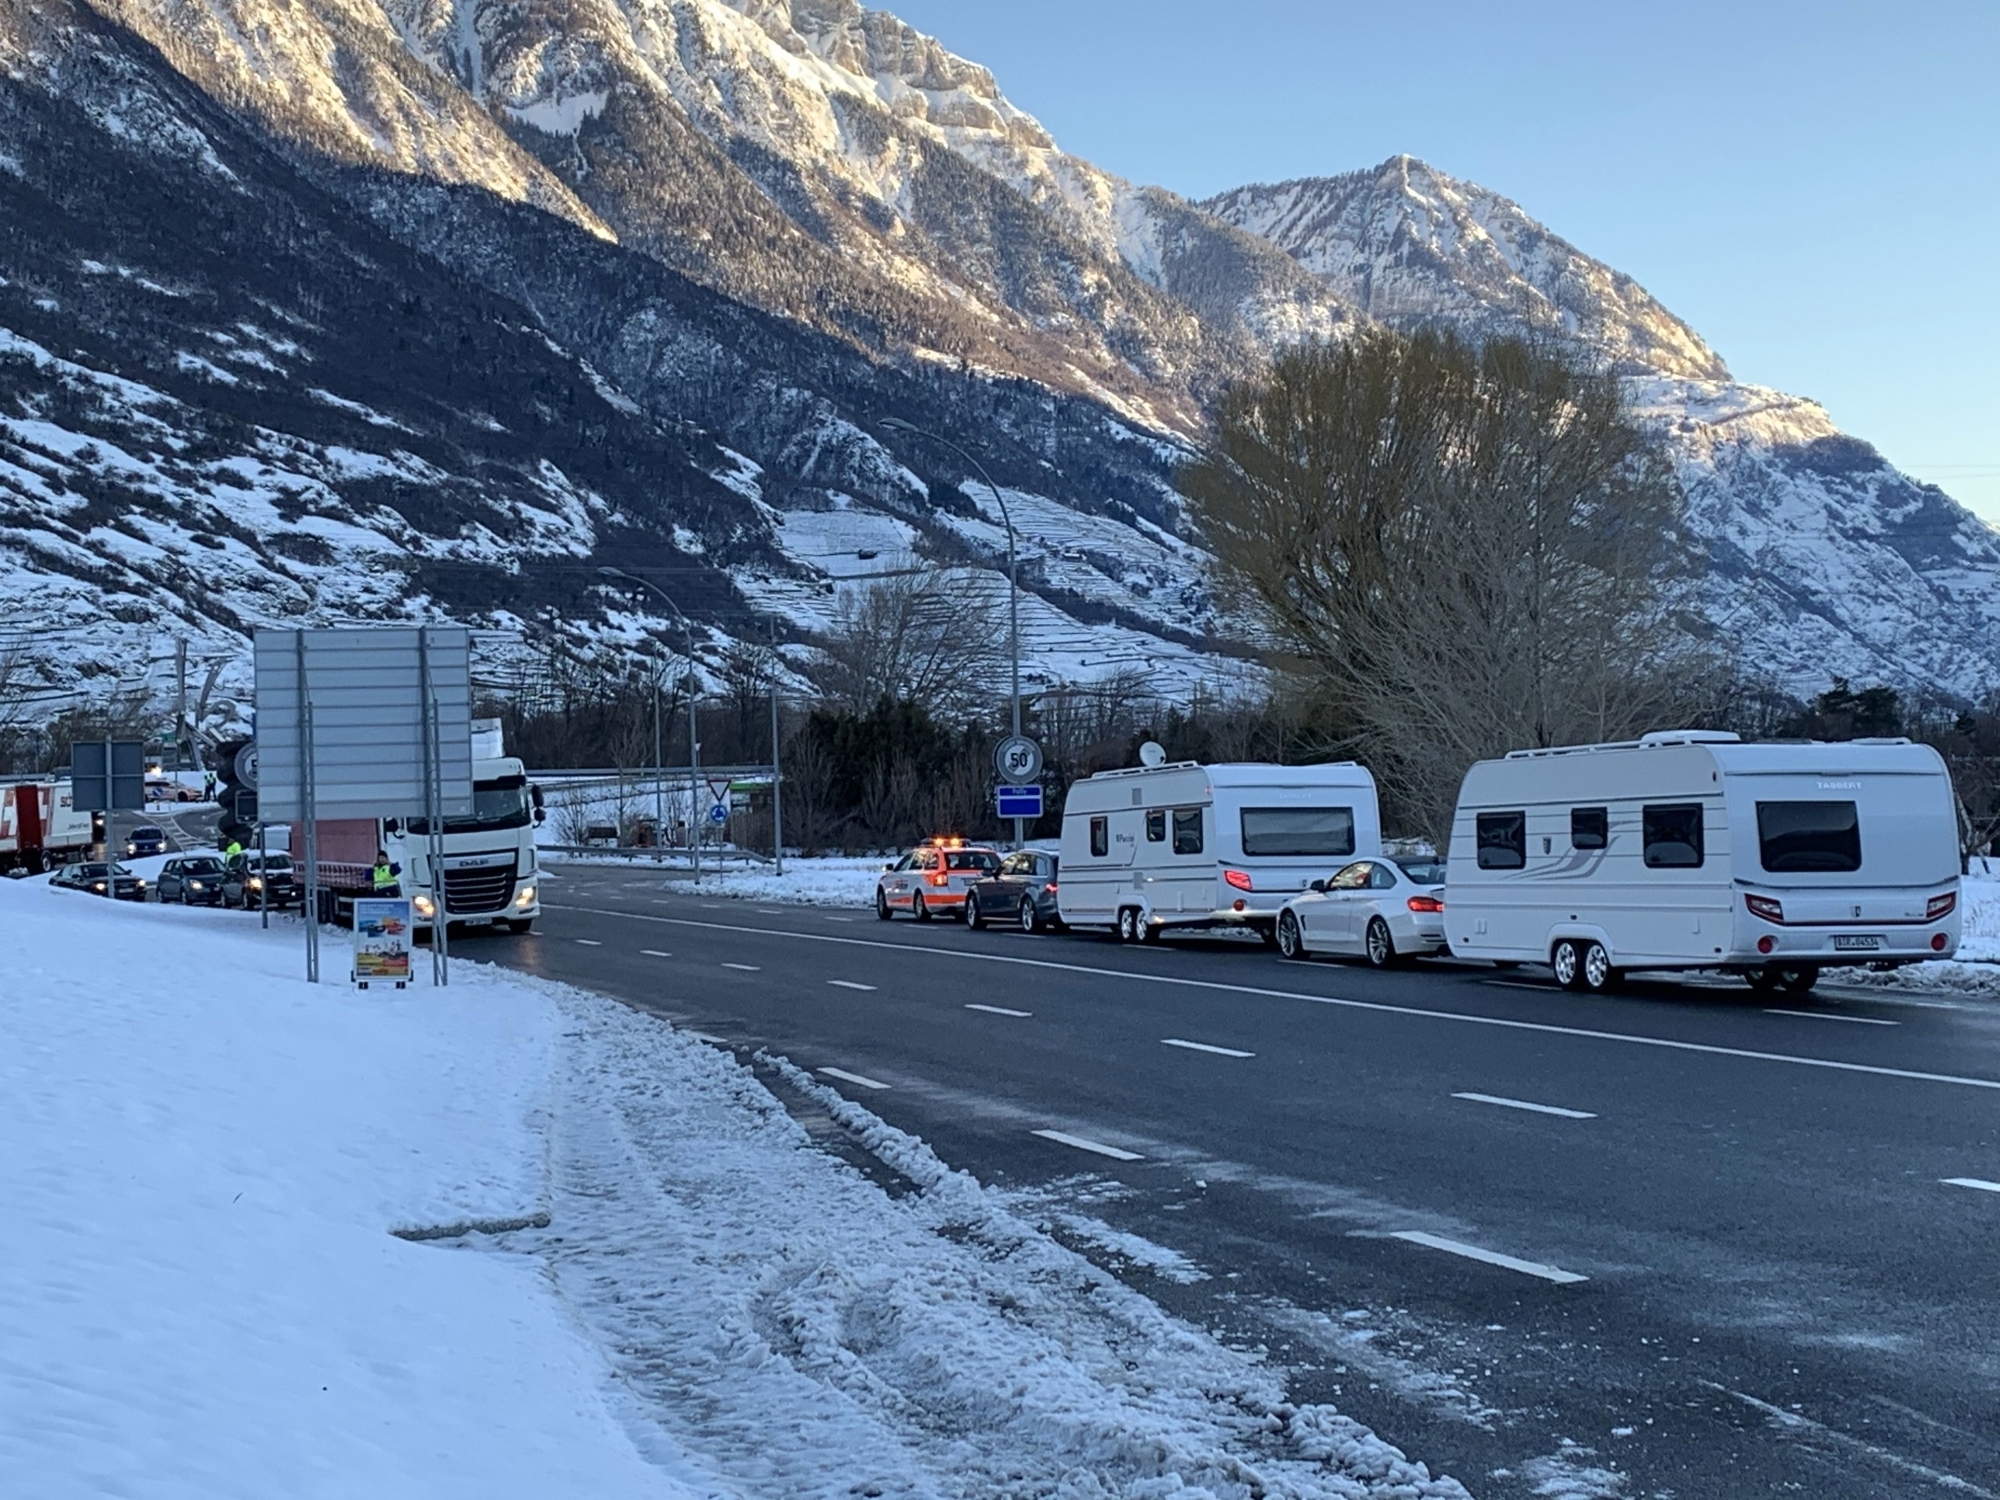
255, 882
526, 897
98, 886
425, 907
194, 885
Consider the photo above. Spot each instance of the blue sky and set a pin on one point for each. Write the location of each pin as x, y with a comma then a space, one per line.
1812, 186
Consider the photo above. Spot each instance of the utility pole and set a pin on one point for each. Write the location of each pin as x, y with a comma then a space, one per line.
180, 697
659, 773
777, 777
694, 733
897, 424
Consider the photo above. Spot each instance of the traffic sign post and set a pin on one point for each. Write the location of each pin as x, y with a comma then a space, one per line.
1018, 802
107, 776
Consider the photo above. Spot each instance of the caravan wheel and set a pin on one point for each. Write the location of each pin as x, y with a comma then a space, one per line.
1798, 980
1568, 964
1598, 975
1128, 924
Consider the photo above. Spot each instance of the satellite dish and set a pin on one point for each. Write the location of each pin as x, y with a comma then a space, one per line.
1152, 754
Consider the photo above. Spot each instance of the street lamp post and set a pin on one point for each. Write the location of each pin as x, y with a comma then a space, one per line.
694, 741
897, 424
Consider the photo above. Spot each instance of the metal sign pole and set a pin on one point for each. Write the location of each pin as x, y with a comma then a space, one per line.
694, 769
264, 870
309, 804
777, 779
434, 812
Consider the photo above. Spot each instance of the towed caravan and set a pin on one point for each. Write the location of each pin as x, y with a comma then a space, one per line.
1186, 845
1690, 849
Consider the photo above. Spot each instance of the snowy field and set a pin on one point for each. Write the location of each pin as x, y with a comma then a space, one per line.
831, 880
208, 1163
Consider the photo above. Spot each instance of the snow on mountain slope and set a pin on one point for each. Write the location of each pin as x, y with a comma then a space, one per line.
1411, 246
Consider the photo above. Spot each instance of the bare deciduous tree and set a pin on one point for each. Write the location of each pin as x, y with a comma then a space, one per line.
933, 638
1464, 550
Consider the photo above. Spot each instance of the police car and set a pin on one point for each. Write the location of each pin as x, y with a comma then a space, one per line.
932, 879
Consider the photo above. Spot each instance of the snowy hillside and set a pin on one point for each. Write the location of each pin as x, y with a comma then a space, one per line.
376, 308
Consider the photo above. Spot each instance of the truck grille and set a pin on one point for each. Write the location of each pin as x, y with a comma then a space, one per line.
470, 892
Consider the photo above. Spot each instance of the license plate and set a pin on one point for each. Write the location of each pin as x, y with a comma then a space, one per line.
1851, 942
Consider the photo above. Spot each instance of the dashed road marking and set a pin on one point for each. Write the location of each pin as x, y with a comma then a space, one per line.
1174, 1041
1379, 1007
745, 968
765, 911
590, 942
1490, 1257
1064, 1138
655, 953
1979, 1183
1001, 1010
854, 1078
849, 984
838, 919
1540, 1109
1827, 1015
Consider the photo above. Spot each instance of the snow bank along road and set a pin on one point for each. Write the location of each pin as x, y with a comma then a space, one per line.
1674, 1240
267, 1239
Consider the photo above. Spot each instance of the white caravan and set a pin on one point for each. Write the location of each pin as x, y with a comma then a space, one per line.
1188, 845
1689, 849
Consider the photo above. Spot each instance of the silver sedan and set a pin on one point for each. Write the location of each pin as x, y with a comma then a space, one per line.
1380, 909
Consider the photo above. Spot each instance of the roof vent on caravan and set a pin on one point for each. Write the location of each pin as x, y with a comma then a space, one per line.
1152, 755
1690, 737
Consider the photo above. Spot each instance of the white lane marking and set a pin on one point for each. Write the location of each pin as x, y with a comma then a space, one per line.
1540, 1109
590, 942
849, 984
838, 919
746, 968
1174, 1041
1064, 1138
1000, 1010
1505, 1023
1491, 1257
1827, 1015
709, 905
655, 953
855, 1078
702, 1036
1979, 1183
765, 911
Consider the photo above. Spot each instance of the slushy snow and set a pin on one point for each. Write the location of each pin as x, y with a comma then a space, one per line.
208, 1159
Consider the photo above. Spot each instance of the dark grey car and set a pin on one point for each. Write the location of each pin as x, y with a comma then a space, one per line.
1022, 893
247, 874
191, 880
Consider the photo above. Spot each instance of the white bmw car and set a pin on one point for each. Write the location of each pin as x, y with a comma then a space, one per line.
1379, 909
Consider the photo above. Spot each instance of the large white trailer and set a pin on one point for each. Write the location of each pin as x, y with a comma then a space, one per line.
1690, 849
1188, 845
40, 827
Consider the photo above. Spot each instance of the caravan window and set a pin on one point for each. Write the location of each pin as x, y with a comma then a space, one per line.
1672, 835
1503, 840
1298, 830
1589, 827
1100, 837
1187, 830
1800, 838
1156, 826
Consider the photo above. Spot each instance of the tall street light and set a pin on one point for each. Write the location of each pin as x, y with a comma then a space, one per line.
897, 424
694, 741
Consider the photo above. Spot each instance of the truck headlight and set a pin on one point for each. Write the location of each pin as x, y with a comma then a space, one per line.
424, 906
526, 897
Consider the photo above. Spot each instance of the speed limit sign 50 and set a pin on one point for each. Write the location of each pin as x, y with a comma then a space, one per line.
1018, 759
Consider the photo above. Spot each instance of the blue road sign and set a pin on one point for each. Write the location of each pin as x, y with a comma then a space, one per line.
718, 813
1018, 801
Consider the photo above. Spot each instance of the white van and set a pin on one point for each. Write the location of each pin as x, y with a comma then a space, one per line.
1188, 845
1689, 849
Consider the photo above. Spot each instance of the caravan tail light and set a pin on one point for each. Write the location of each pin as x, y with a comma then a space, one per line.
1937, 942
1767, 907
1940, 906
1238, 878
1425, 903
1767, 944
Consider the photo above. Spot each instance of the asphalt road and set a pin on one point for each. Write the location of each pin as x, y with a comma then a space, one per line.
1723, 1256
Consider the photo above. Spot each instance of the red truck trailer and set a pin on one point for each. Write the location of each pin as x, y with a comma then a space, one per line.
40, 827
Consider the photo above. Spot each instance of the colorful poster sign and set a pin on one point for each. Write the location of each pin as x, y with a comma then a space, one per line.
382, 940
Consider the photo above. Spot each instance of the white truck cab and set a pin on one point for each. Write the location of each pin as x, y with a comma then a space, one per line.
1184, 845
489, 867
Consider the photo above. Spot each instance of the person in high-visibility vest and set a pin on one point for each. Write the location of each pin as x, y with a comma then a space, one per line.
230, 850
382, 879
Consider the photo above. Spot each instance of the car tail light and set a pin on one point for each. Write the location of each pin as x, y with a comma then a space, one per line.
1767, 907
1425, 903
1238, 878
1940, 906
939, 878
1937, 942
1050, 887
1766, 943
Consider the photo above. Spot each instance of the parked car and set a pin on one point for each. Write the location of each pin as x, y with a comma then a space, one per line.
166, 789
192, 880
932, 879
1021, 891
115, 881
1380, 909
145, 840
251, 880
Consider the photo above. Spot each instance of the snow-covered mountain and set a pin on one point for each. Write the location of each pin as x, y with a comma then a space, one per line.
370, 308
